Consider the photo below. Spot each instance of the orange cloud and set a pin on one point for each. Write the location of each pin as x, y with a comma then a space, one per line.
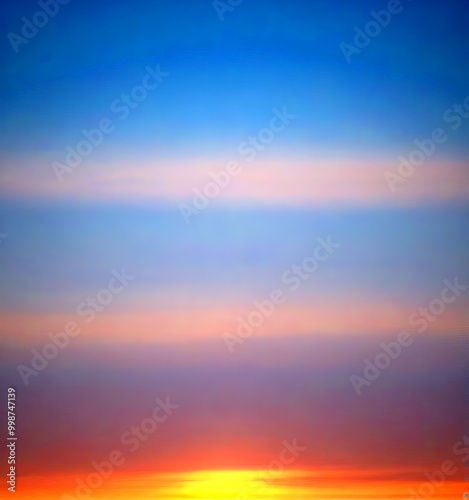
178, 325
327, 484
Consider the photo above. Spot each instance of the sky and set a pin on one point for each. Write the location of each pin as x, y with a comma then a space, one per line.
233, 209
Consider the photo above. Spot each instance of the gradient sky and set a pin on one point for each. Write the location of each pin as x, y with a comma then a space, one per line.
322, 176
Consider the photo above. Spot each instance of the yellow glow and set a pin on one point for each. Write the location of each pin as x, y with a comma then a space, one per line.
229, 484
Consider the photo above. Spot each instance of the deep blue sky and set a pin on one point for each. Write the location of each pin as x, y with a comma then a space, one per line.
226, 76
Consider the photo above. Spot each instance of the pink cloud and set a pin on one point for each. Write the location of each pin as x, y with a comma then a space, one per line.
322, 182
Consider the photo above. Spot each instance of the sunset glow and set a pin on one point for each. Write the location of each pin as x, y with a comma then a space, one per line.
233, 250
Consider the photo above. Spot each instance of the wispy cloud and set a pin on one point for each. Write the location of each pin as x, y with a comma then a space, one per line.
279, 181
